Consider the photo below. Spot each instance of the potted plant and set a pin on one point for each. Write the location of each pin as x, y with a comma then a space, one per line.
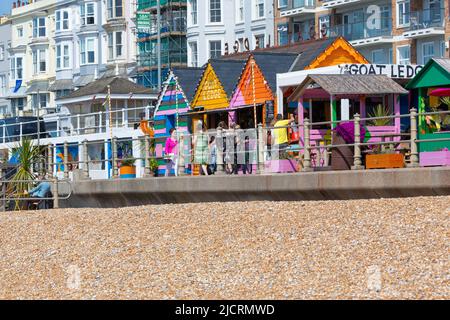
154, 166
382, 157
127, 169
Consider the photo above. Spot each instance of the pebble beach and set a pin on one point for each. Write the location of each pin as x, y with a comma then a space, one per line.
358, 249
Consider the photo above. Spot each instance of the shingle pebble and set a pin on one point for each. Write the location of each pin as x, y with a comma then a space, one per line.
366, 249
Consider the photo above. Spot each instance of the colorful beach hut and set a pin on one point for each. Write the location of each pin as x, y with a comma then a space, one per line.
172, 105
256, 89
214, 91
434, 75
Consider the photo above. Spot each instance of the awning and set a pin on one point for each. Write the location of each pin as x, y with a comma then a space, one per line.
41, 86
346, 84
21, 93
66, 84
83, 80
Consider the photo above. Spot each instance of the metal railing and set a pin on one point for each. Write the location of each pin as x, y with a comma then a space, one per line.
8, 194
239, 147
75, 125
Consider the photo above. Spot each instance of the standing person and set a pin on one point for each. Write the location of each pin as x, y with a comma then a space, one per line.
269, 139
212, 166
248, 165
201, 147
170, 151
280, 133
237, 149
229, 153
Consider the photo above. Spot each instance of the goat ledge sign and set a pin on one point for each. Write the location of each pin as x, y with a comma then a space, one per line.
395, 71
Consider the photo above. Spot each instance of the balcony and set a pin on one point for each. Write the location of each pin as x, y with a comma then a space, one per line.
363, 33
299, 8
331, 4
425, 23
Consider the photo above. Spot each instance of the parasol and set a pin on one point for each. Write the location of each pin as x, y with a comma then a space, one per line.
440, 92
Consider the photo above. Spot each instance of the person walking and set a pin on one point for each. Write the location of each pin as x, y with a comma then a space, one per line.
212, 163
170, 151
201, 147
248, 165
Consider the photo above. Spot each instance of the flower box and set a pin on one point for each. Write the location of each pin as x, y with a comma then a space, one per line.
127, 172
385, 161
435, 158
281, 166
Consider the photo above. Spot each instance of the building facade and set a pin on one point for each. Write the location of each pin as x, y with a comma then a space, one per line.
5, 42
217, 27
385, 31
173, 40
61, 45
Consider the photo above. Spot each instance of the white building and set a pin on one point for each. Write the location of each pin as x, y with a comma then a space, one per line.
217, 27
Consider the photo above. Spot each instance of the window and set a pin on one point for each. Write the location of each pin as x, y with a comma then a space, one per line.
194, 20
39, 61
404, 55
282, 3
403, 13
39, 100
442, 49
259, 9
282, 31
87, 13
62, 20
2, 52
215, 11
17, 103
38, 27
2, 85
324, 25
16, 68
115, 45
194, 53
63, 56
215, 49
239, 10
427, 51
115, 8
260, 41
378, 56
87, 51
19, 32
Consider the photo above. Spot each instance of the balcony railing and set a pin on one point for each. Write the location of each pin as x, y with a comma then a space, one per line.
424, 19
363, 29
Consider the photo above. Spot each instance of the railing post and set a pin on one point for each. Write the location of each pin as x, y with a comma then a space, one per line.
85, 160
55, 193
21, 132
4, 133
100, 130
357, 164
307, 146
219, 160
414, 151
114, 158
78, 124
147, 170
260, 155
58, 126
50, 160
66, 160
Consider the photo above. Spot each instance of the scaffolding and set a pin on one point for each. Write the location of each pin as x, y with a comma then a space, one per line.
173, 40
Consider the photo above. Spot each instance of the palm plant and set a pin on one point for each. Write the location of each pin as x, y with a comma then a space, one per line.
446, 101
379, 111
27, 154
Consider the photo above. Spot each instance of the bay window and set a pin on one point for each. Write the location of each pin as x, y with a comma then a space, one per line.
63, 56
87, 51
16, 68
193, 8
62, 20
39, 27
259, 9
115, 45
403, 13
215, 11
87, 13
39, 61
115, 8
